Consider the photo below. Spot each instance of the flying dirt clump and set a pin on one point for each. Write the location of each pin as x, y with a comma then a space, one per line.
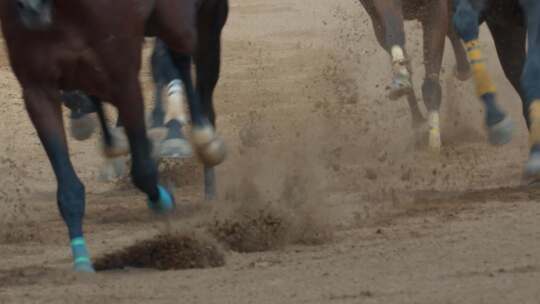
166, 252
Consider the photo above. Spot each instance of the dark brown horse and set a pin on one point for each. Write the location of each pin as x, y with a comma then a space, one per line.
387, 17
95, 46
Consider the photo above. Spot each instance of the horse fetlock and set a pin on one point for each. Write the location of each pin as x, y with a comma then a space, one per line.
119, 144
213, 153
210, 147
461, 73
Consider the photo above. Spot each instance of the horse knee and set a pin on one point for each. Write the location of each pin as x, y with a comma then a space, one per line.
432, 93
466, 20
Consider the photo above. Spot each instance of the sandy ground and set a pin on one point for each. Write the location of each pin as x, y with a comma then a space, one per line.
303, 107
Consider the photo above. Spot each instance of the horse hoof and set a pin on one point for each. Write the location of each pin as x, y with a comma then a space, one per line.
84, 267
501, 132
119, 146
175, 148
210, 147
401, 86
82, 128
165, 204
462, 75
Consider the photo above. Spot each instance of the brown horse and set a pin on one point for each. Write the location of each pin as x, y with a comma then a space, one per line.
95, 46
387, 17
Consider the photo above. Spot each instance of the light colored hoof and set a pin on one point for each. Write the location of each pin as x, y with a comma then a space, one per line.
462, 75
501, 133
120, 144
175, 148
401, 86
113, 170
84, 268
82, 128
210, 147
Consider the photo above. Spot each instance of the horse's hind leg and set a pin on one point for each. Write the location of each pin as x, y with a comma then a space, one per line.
177, 23
435, 24
530, 85
46, 115
168, 109
208, 59
466, 21
462, 70
378, 28
391, 16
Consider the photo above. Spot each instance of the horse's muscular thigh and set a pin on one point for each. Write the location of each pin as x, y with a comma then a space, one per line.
176, 20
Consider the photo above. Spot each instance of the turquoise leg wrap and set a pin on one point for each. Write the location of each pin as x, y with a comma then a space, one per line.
81, 258
165, 203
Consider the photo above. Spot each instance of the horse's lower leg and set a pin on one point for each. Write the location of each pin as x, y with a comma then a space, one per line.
144, 169
210, 147
435, 25
378, 28
530, 85
208, 61
46, 115
391, 16
466, 21
462, 70
168, 114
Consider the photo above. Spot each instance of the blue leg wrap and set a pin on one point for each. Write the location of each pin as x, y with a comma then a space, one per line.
81, 258
165, 203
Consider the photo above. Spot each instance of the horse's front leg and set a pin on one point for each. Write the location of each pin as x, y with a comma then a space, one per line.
435, 27
144, 173
46, 115
530, 85
466, 21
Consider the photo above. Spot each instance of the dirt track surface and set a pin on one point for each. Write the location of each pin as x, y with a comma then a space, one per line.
303, 107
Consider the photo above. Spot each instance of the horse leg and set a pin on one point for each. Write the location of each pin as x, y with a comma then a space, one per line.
466, 21
435, 25
170, 114
529, 83
46, 115
208, 61
144, 171
378, 28
390, 12
462, 70
177, 29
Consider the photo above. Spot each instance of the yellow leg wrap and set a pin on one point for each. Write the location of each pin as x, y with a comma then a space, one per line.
483, 82
534, 117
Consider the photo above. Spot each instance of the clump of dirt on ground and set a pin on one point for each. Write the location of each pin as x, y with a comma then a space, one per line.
166, 252
251, 224
252, 229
